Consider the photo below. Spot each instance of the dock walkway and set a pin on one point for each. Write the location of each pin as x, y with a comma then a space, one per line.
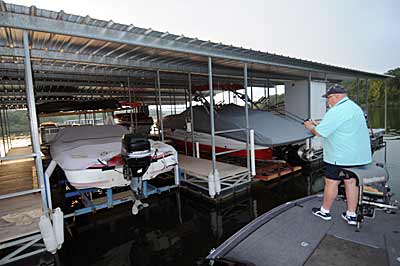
19, 216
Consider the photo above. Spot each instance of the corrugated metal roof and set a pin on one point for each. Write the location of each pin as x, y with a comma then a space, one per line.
81, 47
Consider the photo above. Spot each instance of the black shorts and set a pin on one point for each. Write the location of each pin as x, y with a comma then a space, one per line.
335, 172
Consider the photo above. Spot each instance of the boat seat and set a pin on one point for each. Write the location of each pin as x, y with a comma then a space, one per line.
372, 182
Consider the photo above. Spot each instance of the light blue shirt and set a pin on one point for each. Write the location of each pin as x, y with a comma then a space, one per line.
345, 134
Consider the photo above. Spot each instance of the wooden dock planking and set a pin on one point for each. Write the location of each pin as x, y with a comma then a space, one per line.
125, 195
201, 168
17, 175
25, 208
274, 172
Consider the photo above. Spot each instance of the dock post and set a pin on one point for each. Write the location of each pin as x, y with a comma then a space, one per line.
246, 111
358, 90
385, 88
176, 170
161, 132
366, 98
197, 150
191, 113
30, 98
252, 153
211, 89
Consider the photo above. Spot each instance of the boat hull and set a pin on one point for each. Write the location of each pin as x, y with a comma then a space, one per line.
183, 141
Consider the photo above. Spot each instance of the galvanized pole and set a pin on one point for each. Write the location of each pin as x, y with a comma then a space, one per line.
3, 134
174, 98
7, 129
155, 100
186, 100
246, 111
130, 101
309, 95
385, 88
251, 95
160, 102
366, 97
210, 86
191, 112
30, 97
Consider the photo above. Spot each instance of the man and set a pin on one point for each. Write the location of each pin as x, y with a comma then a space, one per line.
346, 144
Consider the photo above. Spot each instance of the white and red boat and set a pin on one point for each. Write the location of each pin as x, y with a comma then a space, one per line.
270, 130
90, 156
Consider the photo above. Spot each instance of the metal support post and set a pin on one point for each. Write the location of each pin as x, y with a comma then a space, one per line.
7, 129
155, 100
3, 134
385, 88
30, 97
309, 141
174, 98
246, 110
251, 95
160, 103
210, 86
309, 95
252, 153
186, 100
191, 113
366, 97
130, 101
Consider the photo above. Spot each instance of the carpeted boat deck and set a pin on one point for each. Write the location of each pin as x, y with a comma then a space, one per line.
297, 237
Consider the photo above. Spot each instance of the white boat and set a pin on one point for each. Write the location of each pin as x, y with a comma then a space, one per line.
90, 156
270, 130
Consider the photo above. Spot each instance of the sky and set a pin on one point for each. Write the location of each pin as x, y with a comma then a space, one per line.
358, 34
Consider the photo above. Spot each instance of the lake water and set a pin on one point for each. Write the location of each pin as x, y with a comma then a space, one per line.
178, 228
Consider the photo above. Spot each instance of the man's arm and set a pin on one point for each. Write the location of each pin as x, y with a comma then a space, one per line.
310, 125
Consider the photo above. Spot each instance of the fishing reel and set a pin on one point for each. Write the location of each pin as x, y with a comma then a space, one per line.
305, 153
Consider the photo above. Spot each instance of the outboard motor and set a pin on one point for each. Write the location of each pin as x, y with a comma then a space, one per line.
136, 153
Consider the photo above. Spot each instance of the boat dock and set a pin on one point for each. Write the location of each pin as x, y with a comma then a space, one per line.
19, 215
57, 59
197, 174
17, 175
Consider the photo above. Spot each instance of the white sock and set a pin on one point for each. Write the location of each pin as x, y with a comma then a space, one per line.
324, 210
351, 214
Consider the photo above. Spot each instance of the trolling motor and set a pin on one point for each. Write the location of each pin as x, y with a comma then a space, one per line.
136, 153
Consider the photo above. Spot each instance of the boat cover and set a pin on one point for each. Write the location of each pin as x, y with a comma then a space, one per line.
269, 129
76, 148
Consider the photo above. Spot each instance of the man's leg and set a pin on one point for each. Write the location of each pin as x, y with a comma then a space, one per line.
351, 194
330, 193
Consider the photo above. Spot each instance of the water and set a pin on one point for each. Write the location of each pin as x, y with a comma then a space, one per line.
178, 228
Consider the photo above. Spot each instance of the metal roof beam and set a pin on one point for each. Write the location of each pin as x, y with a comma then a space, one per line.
42, 24
100, 60
151, 66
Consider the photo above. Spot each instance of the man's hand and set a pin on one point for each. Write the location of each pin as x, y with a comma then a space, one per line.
309, 124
